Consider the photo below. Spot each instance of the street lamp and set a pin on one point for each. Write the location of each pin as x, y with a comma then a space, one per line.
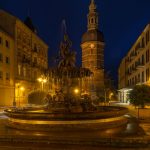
76, 91
42, 80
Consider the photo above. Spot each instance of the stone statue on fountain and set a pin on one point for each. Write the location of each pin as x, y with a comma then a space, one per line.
67, 76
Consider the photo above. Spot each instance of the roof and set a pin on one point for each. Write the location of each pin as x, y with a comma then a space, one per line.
92, 35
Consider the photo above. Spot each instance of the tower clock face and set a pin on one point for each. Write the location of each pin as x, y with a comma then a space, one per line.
92, 46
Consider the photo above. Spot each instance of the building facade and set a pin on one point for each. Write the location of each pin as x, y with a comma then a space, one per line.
6, 68
134, 68
92, 45
30, 55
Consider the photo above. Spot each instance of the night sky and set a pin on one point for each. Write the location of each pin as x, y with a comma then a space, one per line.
121, 21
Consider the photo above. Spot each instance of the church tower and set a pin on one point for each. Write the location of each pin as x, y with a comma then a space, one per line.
92, 45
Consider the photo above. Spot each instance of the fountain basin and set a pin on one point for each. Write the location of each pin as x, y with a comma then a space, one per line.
42, 120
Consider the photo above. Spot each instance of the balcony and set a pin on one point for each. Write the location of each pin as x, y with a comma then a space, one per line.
35, 65
134, 70
139, 49
26, 61
133, 55
140, 66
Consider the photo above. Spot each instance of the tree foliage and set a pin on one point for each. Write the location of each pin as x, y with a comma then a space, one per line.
140, 95
36, 97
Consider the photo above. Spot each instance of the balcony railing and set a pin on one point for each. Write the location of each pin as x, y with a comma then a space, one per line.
140, 49
140, 66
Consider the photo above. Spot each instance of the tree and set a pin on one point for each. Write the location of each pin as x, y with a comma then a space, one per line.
140, 95
37, 97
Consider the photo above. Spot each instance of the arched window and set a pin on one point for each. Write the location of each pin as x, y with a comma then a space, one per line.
92, 20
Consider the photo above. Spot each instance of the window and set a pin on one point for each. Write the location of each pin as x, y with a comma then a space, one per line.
147, 74
35, 48
139, 61
35, 75
143, 44
7, 44
1, 75
130, 81
138, 77
92, 20
35, 60
147, 37
7, 76
147, 56
143, 76
7, 60
0, 40
142, 59
135, 79
1, 57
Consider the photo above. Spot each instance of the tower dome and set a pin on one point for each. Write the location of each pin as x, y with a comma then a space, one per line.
92, 35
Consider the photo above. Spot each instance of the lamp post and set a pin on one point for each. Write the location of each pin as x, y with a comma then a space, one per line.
42, 80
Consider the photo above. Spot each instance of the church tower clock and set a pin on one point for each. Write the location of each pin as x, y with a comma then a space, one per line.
92, 45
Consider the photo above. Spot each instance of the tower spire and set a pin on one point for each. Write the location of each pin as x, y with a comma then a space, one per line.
92, 16
92, 6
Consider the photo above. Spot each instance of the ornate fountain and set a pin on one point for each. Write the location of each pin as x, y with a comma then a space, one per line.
67, 106
68, 94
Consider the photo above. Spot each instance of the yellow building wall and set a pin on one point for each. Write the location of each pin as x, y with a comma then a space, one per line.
6, 82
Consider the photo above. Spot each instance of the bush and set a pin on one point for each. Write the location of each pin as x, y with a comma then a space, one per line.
37, 97
140, 95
